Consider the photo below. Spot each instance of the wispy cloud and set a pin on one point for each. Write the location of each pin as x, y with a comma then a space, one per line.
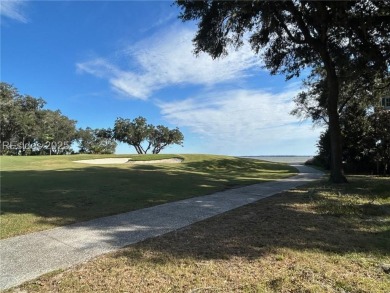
13, 9
162, 20
166, 59
243, 121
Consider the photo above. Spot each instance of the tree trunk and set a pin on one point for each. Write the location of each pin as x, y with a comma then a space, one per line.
137, 149
336, 174
147, 149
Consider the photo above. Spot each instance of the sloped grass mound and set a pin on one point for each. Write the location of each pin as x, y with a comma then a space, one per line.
44, 192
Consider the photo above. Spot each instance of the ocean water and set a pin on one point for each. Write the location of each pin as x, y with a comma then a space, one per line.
282, 159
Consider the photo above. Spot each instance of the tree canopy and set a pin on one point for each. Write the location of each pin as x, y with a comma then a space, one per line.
161, 136
343, 38
363, 122
143, 136
366, 142
26, 127
96, 141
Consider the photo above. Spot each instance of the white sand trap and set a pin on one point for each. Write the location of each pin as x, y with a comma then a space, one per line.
104, 161
163, 161
108, 161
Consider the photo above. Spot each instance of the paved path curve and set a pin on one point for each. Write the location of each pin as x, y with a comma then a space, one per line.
28, 256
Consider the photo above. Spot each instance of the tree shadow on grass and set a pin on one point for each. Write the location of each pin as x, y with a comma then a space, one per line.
61, 197
70, 193
289, 220
297, 219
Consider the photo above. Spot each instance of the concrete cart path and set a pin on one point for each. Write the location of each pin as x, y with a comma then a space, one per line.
26, 257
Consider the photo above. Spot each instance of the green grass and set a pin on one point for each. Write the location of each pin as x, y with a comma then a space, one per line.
320, 238
43, 192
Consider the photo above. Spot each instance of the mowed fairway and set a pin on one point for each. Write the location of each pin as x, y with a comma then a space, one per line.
43, 192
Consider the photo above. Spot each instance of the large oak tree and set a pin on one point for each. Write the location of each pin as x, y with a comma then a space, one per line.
96, 141
345, 38
26, 127
143, 136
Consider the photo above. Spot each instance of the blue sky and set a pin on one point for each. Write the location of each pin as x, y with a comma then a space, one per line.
99, 60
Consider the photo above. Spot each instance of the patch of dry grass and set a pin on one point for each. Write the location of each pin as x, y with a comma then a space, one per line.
298, 241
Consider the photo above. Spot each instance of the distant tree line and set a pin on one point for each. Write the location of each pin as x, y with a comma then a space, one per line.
29, 129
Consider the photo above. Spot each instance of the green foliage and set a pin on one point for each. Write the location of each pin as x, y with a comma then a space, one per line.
323, 157
55, 132
19, 116
363, 123
143, 136
27, 128
96, 141
133, 132
380, 138
162, 136
366, 142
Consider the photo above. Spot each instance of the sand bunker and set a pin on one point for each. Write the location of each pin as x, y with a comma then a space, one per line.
104, 161
165, 161
110, 161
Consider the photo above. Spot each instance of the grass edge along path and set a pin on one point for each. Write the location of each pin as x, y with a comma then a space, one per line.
316, 238
44, 192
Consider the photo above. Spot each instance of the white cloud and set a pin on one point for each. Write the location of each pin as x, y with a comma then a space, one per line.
13, 9
243, 122
162, 20
167, 59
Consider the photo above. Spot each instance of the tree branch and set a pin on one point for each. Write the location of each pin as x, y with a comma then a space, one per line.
303, 27
284, 26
